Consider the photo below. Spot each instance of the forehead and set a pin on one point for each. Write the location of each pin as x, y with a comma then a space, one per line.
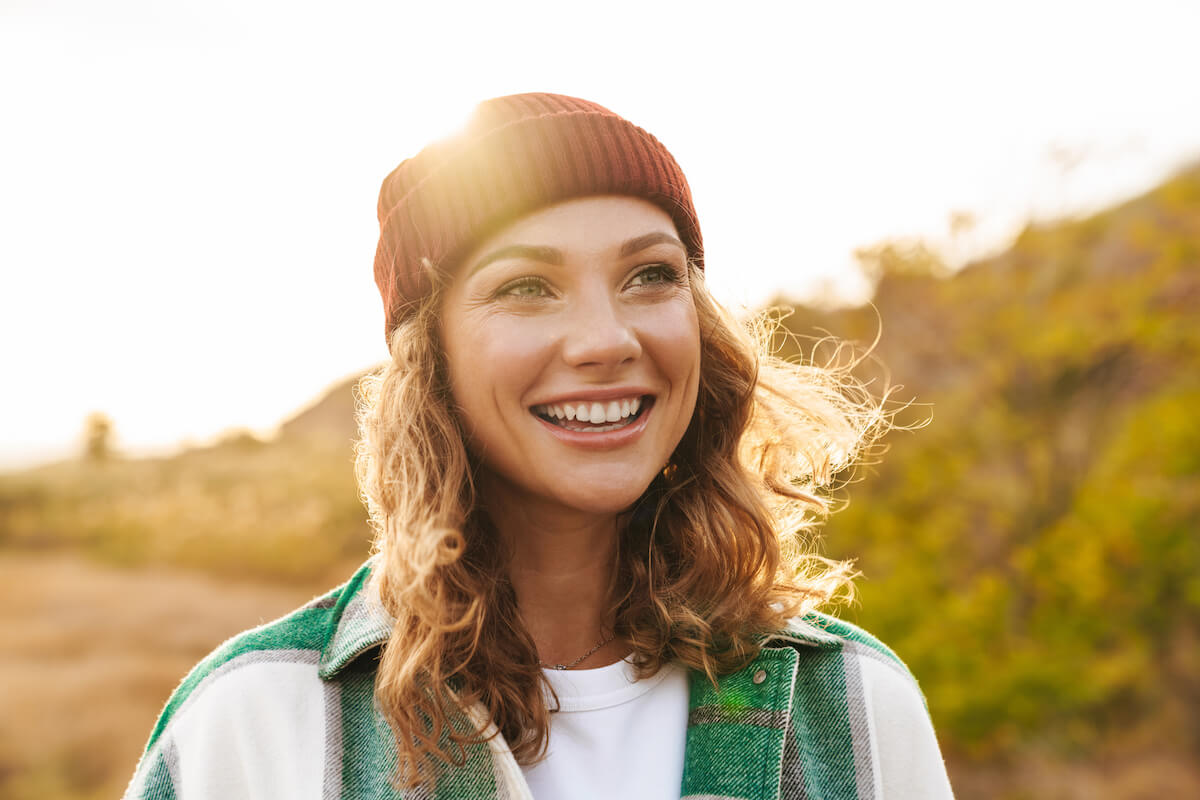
581, 224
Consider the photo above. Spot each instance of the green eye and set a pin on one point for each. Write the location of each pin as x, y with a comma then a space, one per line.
657, 275
525, 287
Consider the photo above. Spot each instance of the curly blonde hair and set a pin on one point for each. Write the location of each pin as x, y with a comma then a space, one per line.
716, 553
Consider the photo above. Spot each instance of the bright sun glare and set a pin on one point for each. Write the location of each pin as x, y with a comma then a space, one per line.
189, 190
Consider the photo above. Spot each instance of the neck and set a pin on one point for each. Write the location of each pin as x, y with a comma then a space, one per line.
561, 570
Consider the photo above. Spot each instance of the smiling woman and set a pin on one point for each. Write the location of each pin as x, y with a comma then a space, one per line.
574, 363
589, 486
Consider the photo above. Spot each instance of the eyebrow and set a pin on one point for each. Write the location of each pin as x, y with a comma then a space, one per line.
649, 240
552, 255
546, 255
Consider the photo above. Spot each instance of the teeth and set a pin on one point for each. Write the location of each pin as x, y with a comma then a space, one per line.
603, 428
594, 413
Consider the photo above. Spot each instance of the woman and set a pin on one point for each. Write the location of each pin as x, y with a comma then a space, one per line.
590, 489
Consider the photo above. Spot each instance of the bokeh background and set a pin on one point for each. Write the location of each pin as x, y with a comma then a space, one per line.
1006, 195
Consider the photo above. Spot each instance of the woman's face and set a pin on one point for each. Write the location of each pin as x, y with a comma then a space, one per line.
574, 352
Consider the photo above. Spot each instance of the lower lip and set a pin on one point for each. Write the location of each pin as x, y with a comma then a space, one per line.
607, 440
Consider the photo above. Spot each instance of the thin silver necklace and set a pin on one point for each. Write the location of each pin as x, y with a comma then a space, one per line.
603, 642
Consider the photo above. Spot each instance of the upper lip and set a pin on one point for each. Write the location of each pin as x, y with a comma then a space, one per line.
598, 394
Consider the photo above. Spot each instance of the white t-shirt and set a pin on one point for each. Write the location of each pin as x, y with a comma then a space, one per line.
613, 736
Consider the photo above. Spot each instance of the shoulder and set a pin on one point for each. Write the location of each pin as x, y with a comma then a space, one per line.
859, 664
824, 632
262, 690
298, 638
820, 637
845, 673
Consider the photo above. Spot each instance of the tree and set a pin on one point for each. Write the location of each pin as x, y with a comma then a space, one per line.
97, 437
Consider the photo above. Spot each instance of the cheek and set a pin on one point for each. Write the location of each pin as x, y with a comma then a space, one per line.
675, 336
462, 368
491, 362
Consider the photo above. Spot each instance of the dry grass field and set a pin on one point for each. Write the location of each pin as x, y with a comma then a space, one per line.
88, 655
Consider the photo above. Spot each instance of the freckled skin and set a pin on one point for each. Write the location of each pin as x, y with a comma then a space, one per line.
521, 331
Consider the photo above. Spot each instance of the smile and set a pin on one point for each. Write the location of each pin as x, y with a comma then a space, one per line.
595, 416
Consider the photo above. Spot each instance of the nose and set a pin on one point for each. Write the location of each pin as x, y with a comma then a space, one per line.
599, 335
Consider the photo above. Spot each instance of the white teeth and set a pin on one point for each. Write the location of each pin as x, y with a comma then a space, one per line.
596, 414
604, 428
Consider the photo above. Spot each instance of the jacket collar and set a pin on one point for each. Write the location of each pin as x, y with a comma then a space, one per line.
358, 623
736, 728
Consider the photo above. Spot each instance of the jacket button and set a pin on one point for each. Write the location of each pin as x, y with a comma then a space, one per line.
759, 676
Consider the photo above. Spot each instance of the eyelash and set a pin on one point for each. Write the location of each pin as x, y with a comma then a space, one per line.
510, 289
669, 275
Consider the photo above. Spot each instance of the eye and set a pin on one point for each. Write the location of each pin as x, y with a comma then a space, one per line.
524, 288
657, 275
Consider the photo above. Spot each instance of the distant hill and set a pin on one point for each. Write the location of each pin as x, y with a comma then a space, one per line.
331, 416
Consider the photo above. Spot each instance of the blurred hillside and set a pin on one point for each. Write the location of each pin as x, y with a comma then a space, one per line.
1032, 553
330, 418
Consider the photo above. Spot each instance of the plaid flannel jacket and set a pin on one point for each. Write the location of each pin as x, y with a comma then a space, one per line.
285, 710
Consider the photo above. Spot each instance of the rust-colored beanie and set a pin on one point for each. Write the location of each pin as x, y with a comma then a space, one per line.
517, 154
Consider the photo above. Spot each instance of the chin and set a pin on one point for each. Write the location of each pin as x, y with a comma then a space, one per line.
613, 501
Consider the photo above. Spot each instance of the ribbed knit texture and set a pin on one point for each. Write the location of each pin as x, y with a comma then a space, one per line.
515, 155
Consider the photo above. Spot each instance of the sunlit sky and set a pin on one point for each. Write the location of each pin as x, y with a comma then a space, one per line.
187, 189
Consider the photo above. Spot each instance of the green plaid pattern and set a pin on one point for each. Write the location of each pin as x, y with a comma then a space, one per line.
792, 725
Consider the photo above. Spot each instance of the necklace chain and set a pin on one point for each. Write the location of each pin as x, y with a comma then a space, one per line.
578, 660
